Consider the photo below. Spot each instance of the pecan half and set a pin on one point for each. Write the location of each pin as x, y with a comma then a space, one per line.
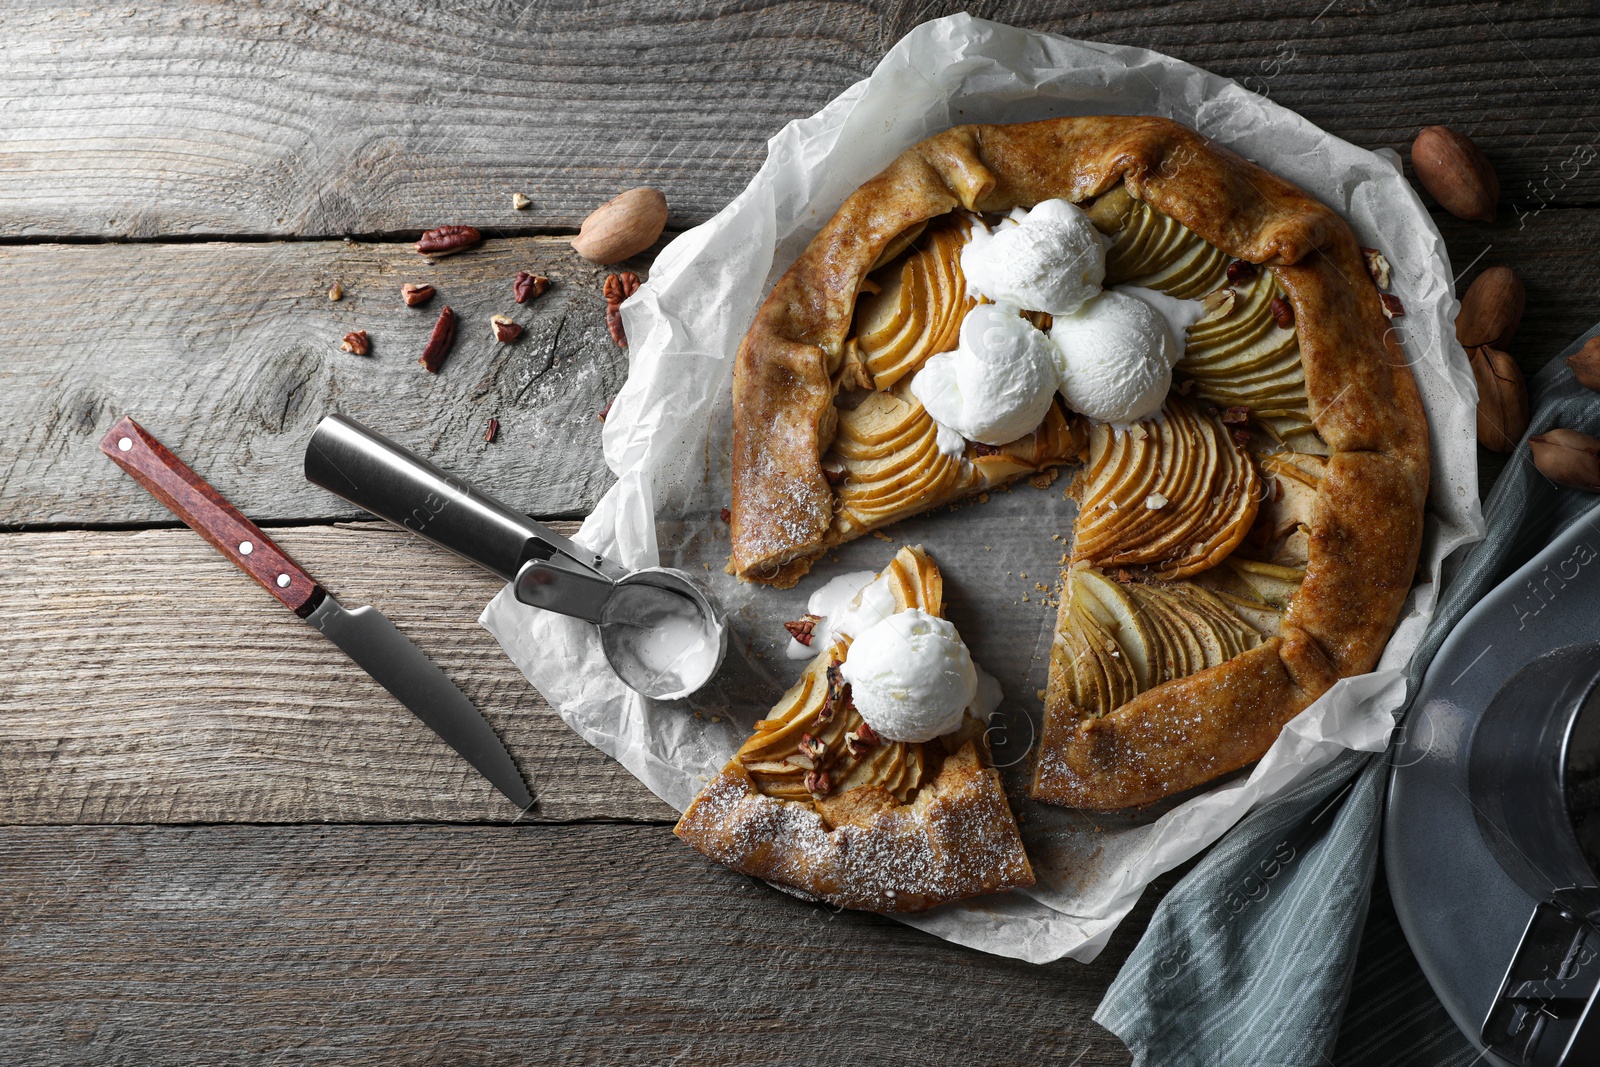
1282, 312
440, 341
448, 240
416, 295
1567, 457
356, 343
505, 331
1242, 270
618, 288
818, 784
802, 629
492, 431
528, 286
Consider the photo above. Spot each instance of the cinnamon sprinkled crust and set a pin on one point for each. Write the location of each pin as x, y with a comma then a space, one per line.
1365, 530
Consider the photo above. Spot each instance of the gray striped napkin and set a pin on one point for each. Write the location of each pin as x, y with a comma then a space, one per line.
1252, 958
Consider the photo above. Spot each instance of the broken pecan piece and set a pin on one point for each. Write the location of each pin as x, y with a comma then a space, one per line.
838, 693
618, 288
801, 629
492, 431
505, 331
356, 343
1236, 414
856, 742
440, 341
818, 784
1392, 308
448, 240
1242, 270
416, 295
1377, 266
528, 286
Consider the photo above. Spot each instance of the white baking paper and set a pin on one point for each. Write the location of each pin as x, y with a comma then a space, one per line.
668, 434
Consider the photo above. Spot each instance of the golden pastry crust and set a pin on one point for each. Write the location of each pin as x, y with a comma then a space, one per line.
1366, 529
957, 839
899, 841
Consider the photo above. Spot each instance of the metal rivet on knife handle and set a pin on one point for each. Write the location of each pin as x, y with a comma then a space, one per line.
188, 496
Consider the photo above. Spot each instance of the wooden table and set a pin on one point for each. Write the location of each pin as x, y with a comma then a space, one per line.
219, 841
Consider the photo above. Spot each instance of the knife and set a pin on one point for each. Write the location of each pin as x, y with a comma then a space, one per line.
364, 633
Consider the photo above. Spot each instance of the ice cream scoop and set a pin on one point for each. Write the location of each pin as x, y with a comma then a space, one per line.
1115, 357
910, 676
1049, 259
660, 628
997, 383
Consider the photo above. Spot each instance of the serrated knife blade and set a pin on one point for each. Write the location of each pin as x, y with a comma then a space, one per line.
365, 634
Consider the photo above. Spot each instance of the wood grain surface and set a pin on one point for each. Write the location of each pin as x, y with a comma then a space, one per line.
229, 353
143, 679
178, 752
410, 945
363, 117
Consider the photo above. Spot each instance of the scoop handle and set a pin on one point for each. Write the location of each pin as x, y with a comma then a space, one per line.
394, 483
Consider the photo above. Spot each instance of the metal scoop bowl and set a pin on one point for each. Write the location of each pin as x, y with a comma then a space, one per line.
660, 629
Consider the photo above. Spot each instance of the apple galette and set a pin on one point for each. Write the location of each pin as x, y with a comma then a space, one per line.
1206, 340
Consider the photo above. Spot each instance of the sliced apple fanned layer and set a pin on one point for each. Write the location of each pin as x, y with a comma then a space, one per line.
1154, 251
1238, 355
1241, 357
816, 801
917, 311
886, 450
1174, 494
1115, 640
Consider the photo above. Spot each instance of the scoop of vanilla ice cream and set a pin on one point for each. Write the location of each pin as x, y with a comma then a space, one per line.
910, 676
997, 383
1048, 259
1115, 357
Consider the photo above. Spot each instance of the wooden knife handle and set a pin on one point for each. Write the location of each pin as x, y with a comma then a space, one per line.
187, 496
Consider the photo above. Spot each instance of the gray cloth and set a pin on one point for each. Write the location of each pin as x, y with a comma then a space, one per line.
1250, 959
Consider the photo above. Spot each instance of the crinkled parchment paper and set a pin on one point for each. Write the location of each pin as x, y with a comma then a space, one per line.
668, 434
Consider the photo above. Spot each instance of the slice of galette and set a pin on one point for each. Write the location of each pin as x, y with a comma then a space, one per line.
899, 818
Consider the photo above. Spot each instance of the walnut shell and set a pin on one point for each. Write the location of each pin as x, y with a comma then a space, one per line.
1502, 399
622, 227
1455, 170
1491, 309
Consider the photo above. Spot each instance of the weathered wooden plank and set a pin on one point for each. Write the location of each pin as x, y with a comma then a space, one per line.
144, 679
478, 945
299, 117
229, 353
